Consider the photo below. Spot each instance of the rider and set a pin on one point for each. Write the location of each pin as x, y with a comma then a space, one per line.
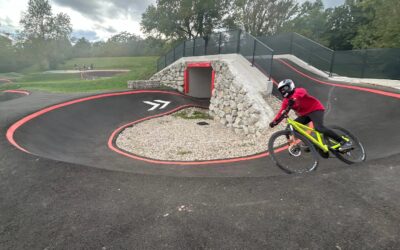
308, 109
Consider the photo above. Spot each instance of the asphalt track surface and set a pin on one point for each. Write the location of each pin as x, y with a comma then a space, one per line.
73, 192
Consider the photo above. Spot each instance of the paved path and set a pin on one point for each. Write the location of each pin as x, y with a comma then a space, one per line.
99, 199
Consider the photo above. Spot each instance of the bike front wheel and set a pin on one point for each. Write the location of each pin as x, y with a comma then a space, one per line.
292, 152
356, 154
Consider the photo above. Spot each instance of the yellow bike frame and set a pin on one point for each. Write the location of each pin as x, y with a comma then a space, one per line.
317, 140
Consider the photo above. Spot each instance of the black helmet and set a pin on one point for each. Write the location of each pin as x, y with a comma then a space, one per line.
286, 87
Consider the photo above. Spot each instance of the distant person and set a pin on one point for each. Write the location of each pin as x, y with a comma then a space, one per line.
308, 108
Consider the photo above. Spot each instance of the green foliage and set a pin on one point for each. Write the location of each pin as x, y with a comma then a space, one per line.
184, 19
109, 62
40, 24
309, 21
355, 24
7, 55
261, 17
82, 48
122, 44
383, 28
191, 115
343, 24
45, 37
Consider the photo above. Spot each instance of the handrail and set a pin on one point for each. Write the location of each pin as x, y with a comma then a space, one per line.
258, 40
316, 43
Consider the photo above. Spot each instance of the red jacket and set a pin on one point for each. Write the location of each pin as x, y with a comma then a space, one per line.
303, 103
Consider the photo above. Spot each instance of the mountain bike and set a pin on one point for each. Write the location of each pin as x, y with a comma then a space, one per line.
296, 148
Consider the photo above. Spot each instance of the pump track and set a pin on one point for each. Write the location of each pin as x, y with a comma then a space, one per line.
64, 184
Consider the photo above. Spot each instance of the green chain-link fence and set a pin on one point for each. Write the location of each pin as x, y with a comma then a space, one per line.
230, 42
369, 63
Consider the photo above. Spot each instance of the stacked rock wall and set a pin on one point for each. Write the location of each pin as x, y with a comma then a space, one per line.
232, 105
172, 76
232, 102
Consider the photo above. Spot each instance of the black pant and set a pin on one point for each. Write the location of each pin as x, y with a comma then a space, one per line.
317, 117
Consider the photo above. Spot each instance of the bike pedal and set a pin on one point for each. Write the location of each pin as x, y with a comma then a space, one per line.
345, 151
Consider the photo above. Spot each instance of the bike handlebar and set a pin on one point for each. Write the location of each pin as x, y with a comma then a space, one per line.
284, 114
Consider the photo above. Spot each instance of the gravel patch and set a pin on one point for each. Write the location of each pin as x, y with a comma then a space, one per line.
174, 138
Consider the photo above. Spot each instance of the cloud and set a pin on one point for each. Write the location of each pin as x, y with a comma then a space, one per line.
6, 21
89, 8
327, 3
108, 29
133, 6
98, 10
88, 34
7, 26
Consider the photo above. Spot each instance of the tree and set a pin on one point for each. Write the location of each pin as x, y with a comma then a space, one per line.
7, 55
184, 19
39, 23
343, 23
124, 37
309, 21
45, 37
36, 22
82, 48
261, 17
382, 29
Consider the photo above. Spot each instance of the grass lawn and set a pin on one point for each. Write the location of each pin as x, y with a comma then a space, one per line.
141, 68
109, 62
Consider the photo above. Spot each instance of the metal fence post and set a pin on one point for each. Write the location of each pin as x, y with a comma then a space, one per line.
184, 48
238, 41
174, 54
270, 66
310, 55
165, 60
219, 43
364, 63
254, 51
332, 63
194, 46
205, 44
291, 43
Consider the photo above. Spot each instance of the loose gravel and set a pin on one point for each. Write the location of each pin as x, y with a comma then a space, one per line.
173, 138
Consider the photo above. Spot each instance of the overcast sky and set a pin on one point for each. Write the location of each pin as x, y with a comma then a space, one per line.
93, 19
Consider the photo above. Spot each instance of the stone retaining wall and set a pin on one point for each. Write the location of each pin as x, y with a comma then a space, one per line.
231, 103
172, 76
143, 84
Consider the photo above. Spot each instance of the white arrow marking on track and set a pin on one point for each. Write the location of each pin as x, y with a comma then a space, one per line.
165, 103
156, 105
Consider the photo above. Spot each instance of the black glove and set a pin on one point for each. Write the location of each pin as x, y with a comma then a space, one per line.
291, 102
273, 124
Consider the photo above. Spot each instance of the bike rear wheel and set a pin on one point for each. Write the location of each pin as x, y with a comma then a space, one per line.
355, 155
298, 157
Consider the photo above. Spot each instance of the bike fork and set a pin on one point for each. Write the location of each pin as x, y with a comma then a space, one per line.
291, 139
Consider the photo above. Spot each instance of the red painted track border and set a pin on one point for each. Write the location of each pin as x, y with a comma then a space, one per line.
24, 92
11, 130
374, 91
113, 147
